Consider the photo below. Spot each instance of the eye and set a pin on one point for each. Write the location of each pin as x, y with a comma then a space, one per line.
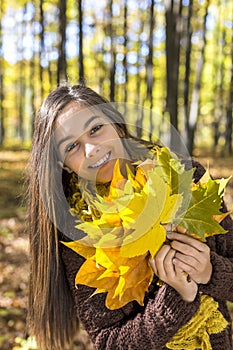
96, 128
71, 147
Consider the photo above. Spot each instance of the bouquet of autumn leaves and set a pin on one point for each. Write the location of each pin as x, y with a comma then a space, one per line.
131, 226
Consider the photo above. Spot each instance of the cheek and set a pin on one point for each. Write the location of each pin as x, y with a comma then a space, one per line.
120, 148
74, 162
115, 139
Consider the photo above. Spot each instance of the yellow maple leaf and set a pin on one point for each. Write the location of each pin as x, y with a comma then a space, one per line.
81, 247
160, 207
108, 272
151, 242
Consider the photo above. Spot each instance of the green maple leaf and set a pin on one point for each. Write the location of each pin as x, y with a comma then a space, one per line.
174, 173
204, 204
200, 202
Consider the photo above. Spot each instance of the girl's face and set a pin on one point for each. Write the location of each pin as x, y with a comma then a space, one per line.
87, 143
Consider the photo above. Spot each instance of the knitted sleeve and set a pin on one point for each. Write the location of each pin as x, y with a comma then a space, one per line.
220, 285
132, 327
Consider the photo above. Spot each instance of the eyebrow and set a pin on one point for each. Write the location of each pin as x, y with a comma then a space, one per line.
66, 138
89, 121
85, 126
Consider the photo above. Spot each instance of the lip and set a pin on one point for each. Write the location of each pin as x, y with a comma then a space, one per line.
102, 161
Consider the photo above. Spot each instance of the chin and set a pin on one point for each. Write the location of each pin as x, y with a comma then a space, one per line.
105, 174
105, 178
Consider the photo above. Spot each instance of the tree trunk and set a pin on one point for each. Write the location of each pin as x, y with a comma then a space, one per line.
61, 70
187, 71
42, 49
194, 108
230, 106
139, 79
112, 54
21, 81
149, 66
173, 33
2, 125
81, 64
217, 112
32, 86
125, 52
221, 50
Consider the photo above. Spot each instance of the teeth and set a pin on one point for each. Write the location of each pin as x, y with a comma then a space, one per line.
101, 161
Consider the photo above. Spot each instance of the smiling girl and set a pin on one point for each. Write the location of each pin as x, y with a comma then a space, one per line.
78, 137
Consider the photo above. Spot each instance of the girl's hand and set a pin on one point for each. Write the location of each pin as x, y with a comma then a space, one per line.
171, 274
192, 256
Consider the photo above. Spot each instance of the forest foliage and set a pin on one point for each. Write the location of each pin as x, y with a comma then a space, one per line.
173, 58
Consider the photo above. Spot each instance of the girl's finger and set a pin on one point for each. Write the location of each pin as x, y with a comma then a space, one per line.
168, 263
159, 260
153, 266
186, 261
186, 249
174, 236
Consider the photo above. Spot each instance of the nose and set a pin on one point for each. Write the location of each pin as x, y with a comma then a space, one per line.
91, 150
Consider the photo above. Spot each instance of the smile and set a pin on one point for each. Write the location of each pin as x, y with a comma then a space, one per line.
101, 161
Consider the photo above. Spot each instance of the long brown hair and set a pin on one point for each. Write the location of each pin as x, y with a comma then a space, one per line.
52, 317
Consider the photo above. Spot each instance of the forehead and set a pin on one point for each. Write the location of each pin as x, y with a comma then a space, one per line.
75, 119
76, 115
74, 111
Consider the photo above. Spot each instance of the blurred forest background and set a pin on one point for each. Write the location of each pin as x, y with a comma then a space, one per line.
174, 58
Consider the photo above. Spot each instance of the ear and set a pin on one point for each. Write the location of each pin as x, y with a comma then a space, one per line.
65, 167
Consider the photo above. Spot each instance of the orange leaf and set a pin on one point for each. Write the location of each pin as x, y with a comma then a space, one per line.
220, 217
124, 279
118, 180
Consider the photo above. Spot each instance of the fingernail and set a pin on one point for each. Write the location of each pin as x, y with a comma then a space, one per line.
169, 234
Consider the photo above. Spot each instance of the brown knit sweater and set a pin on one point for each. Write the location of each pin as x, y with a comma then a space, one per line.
150, 327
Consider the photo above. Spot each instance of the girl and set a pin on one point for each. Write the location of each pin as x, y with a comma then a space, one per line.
78, 137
